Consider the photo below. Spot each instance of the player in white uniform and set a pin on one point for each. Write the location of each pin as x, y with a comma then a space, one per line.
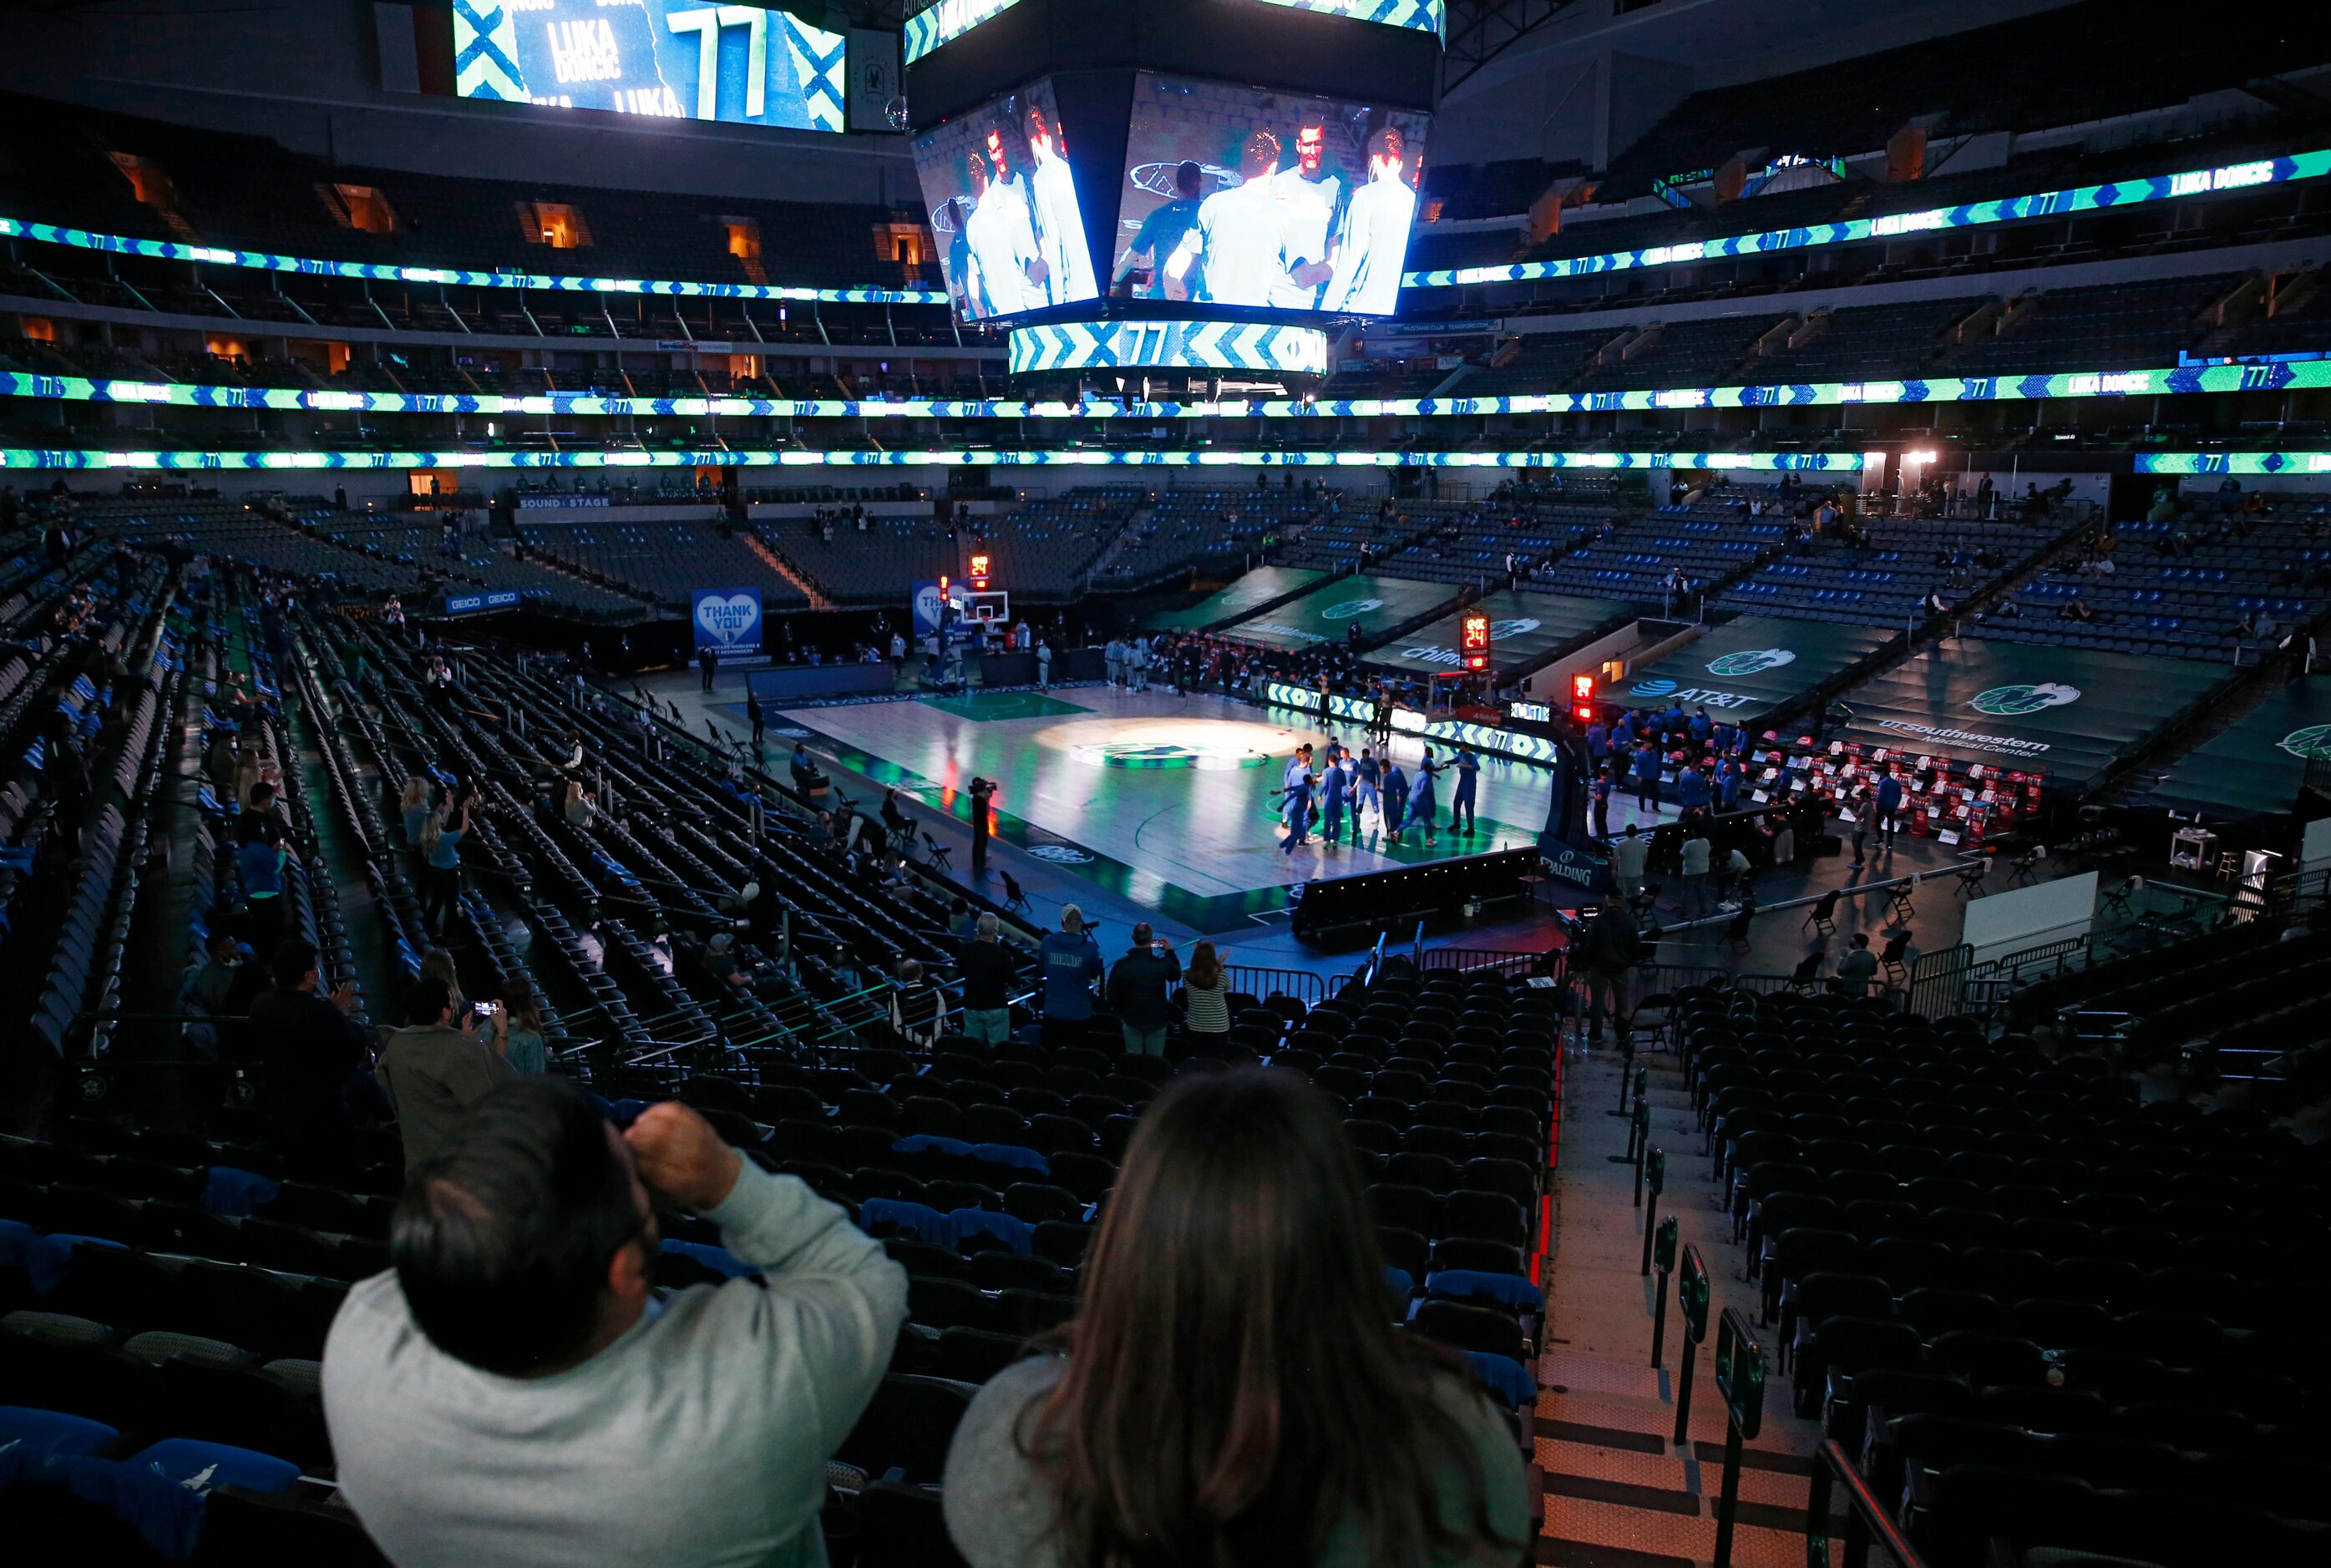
1313, 197
1238, 232
1374, 242
1003, 246
1060, 226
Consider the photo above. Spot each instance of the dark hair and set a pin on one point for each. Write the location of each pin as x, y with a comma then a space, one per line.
293, 957
1235, 1392
1186, 176
502, 1240
426, 999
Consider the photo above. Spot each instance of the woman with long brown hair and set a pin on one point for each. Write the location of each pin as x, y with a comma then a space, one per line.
1205, 1001
1232, 1392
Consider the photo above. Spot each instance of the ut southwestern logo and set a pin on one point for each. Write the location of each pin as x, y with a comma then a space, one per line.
1751, 662
2314, 741
731, 618
1349, 608
2021, 701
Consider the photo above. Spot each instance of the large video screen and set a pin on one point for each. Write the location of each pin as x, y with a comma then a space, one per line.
673, 59
1425, 16
1241, 196
1003, 203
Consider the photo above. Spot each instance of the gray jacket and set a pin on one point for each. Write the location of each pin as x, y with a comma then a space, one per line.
434, 1074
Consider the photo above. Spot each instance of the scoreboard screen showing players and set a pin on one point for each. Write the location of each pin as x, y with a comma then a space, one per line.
673, 59
1425, 16
1262, 200
1003, 203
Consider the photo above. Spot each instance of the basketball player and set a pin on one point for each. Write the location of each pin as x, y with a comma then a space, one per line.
1060, 226
1161, 231
1003, 244
1237, 232
1312, 198
1373, 239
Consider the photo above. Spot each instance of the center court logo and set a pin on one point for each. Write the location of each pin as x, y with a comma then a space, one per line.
1750, 662
2314, 741
1137, 754
1349, 608
1060, 854
2022, 701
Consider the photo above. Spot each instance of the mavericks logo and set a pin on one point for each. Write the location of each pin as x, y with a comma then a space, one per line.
1349, 608
2314, 741
1751, 662
2022, 701
1060, 854
1165, 753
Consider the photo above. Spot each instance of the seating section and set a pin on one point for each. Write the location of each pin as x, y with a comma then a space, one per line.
2031, 1307
2222, 581
1706, 540
1885, 574
1042, 549
665, 561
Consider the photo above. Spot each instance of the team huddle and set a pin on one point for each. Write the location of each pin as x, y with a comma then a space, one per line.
1297, 237
1018, 239
1372, 792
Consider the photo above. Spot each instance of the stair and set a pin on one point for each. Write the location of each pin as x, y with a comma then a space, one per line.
786, 569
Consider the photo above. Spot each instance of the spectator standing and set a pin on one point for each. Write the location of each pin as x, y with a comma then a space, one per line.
308, 1047
708, 660
1696, 858
511, 1390
1069, 960
259, 865
986, 971
1889, 804
1856, 969
440, 857
754, 717
1205, 1001
519, 1021
1044, 665
918, 1011
1138, 986
419, 799
1232, 1389
1631, 851
434, 1071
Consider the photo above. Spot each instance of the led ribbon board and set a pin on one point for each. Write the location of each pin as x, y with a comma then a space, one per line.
1169, 344
1408, 721
1423, 16
265, 261
1283, 348
2233, 462
946, 21
1606, 462
2272, 171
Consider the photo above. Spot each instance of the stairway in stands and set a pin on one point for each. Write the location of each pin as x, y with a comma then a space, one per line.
786, 569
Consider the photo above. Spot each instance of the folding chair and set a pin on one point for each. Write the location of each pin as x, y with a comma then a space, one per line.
1015, 901
939, 853
1822, 919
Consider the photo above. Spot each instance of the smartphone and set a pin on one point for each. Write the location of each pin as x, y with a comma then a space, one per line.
482, 1009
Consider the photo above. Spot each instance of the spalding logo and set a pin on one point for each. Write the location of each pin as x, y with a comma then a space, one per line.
725, 620
1749, 662
2016, 701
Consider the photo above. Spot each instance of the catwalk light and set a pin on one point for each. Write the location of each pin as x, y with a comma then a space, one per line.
288, 461
2302, 166
2295, 376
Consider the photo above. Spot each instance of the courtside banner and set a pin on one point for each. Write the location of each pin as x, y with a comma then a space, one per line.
1526, 630
1333, 611
2255, 767
2071, 713
1752, 667
1263, 585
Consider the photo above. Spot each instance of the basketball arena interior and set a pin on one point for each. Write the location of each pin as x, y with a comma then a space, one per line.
779, 783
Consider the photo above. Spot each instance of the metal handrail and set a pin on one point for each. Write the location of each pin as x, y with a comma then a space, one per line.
1866, 1517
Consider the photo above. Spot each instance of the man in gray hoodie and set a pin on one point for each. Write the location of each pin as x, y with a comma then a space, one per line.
513, 1392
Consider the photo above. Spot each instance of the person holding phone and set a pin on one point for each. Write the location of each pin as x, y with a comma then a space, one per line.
440, 857
1137, 991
